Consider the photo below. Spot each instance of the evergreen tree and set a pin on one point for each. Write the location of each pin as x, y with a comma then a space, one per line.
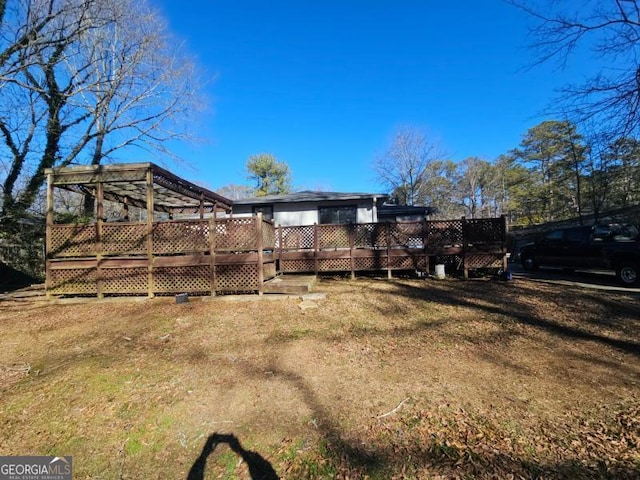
270, 176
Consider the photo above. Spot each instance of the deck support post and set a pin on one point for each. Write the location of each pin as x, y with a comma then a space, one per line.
503, 243
149, 195
388, 240
99, 235
465, 246
352, 262
260, 247
315, 248
212, 253
280, 247
47, 243
425, 237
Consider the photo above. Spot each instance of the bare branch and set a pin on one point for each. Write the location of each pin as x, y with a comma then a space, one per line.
610, 30
102, 75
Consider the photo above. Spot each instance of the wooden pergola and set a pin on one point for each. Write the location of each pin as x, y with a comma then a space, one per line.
152, 256
142, 185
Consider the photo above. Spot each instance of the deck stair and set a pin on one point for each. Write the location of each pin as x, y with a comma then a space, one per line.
290, 284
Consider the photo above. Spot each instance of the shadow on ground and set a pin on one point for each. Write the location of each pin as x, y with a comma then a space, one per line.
590, 279
12, 279
400, 453
259, 468
477, 295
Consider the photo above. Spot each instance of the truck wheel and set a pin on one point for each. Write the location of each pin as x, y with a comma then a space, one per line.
627, 274
529, 263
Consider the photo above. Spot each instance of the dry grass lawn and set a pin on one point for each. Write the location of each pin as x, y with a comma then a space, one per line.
385, 379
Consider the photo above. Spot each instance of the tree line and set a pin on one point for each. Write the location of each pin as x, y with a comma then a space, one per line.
555, 173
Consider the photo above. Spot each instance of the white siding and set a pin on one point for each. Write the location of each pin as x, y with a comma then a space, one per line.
306, 213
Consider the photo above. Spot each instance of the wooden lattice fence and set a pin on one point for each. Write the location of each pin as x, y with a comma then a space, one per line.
204, 256
461, 244
209, 256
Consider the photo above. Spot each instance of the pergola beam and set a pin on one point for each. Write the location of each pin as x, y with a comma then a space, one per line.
129, 182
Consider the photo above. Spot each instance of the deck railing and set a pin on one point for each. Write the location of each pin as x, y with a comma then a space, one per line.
196, 256
464, 244
209, 256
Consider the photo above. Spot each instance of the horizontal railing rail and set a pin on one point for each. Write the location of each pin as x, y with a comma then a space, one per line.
240, 253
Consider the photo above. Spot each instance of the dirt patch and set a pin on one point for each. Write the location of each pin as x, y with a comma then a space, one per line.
386, 379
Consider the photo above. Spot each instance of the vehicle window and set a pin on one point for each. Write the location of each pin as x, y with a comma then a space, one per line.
616, 232
601, 232
626, 232
554, 236
574, 237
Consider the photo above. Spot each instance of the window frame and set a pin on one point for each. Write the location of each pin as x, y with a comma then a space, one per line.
337, 208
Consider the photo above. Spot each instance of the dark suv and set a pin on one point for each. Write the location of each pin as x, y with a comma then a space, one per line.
609, 247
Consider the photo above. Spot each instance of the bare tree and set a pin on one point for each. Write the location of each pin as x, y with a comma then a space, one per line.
235, 192
138, 82
610, 30
474, 183
438, 189
93, 77
35, 37
402, 167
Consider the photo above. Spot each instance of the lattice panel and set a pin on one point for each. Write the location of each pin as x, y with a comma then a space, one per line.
296, 238
296, 266
484, 230
484, 261
230, 278
333, 236
124, 238
182, 279
370, 235
181, 237
76, 281
236, 234
125, 280
412, 262
73, 240
379, 263
269, 270
334, 264
409, 235
445, 233
268, 235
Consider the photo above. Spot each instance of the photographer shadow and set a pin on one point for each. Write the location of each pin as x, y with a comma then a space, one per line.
259, 468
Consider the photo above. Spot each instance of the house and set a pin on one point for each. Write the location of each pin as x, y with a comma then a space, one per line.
309, 207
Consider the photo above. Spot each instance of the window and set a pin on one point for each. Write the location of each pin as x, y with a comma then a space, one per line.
552, 238
556, 235
337, 215
575, 236
266, 210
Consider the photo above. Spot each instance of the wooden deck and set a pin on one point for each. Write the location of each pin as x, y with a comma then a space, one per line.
235, 255
164, 255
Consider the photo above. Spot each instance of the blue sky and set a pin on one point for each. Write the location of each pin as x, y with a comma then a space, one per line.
324, 85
